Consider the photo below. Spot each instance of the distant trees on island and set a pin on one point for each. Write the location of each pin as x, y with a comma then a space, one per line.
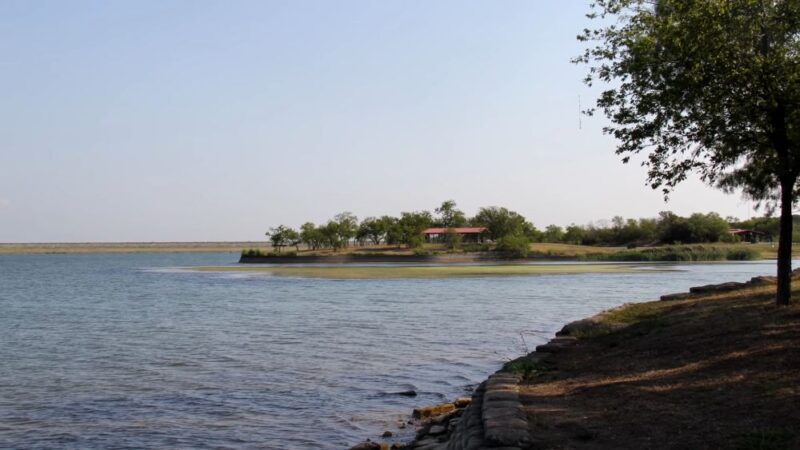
510, 231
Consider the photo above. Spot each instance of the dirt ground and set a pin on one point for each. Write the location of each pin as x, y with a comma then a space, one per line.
721, 372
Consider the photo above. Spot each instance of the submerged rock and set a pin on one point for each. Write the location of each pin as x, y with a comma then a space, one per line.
409, 393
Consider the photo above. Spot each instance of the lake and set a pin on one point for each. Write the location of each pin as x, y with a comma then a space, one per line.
130, 351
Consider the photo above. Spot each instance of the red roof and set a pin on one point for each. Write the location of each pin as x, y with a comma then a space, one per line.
459, 230
742, 231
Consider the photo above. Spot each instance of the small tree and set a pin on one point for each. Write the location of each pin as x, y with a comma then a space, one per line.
393, 233
452, 239
411, 225
515, 246
311, 235
330, 235
372, 229
347, 227
282, 236
292, 238
711, 86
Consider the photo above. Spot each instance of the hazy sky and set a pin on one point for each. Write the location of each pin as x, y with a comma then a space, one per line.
198, 120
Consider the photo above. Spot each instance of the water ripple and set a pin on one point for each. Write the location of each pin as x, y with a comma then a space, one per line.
126, 351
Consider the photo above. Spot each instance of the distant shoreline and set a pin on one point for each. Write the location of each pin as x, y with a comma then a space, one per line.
125, 247
378, 254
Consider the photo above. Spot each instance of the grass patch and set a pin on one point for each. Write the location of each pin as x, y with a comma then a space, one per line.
552, 250
526, 368
393, 272
643, 317
635, 312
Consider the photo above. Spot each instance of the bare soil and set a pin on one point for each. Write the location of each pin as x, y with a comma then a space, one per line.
721, 372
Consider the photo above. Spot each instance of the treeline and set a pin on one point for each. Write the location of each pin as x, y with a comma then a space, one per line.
668, 228
406, 230
512, 232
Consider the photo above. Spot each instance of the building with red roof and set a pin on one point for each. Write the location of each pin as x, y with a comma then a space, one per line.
468, 234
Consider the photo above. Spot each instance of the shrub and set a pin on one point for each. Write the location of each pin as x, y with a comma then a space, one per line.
513, 246
743, 254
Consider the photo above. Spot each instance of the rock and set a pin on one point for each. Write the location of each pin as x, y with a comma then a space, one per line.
678, 296
576, 430
723, 287
401, 425
409, 393
368, 445
462, 402
578, 326
427, 442
714, 288
442, 418
387, 434
762, 281
431, 411
553, 347
436, 429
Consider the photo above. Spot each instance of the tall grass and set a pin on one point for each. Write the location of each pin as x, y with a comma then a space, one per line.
680, 253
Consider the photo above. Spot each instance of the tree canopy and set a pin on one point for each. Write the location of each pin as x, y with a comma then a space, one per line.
449, 216
710, 86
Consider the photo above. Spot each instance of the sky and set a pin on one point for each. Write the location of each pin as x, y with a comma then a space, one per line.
215, 120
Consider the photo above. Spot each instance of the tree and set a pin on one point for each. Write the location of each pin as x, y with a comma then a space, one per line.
346, 227
710, 86
311, 235
393, 235
411, 225
281, 236
574, 234
500, 222
708, 227
673, 229
330, 235
452, 239
530, 232
449, 216
553, 233
372, 229
515, 246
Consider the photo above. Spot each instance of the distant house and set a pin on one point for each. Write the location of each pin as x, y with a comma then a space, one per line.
468, 234
751, 236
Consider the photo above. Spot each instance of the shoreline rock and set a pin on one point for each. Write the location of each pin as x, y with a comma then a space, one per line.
493, 417
708, 289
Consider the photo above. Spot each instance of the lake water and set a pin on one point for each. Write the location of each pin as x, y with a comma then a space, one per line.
124, 351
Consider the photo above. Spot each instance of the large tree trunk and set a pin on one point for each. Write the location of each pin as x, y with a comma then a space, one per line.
785, 244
